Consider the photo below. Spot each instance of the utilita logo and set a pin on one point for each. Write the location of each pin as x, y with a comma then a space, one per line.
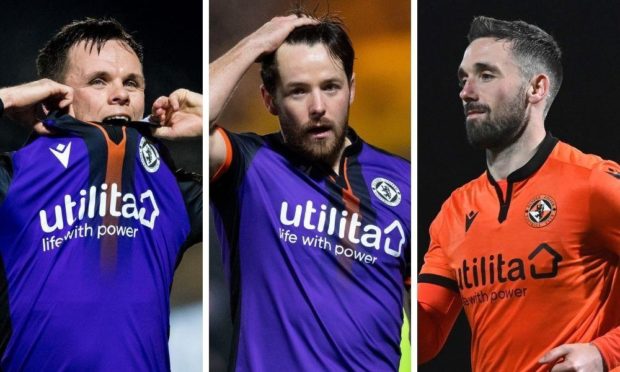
94, 202
542, 263
338, 223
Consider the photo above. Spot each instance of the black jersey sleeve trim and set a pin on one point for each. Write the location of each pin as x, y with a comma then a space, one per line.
6, 328
190, 185
6, 175
439, 280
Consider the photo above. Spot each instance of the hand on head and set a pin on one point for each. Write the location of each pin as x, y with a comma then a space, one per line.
272, 34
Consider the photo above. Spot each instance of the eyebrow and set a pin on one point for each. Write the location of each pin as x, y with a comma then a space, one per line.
479, 66
332, 80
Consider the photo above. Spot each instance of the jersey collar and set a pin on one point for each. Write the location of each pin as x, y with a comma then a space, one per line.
539, 158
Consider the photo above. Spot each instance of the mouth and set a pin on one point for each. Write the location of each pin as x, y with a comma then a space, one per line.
116, 119
319, 132
474, 113
475, 109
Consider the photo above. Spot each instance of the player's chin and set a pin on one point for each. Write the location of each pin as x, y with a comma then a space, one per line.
473, 120
323, 150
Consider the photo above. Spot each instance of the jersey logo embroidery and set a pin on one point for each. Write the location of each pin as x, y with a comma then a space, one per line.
614, 173
61, 152
149, 156
542, 263
551, 254
386, 191
540, 211
469, 219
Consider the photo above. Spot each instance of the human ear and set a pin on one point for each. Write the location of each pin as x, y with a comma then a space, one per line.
538, 88
352, 89
269, 101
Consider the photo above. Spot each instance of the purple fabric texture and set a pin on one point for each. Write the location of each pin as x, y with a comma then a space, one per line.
89, 265
316, 277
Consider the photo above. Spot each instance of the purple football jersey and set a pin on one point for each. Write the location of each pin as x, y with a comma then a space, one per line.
316, 261
93, 226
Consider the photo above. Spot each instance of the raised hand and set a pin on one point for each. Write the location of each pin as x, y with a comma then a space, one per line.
179, 115
29, 103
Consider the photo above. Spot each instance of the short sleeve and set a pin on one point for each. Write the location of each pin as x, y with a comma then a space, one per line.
436, 268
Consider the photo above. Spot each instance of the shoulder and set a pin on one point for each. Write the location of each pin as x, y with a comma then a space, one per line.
462, 201
576, 159
384, 155
470, 190
379, 161
589, 169
247, 138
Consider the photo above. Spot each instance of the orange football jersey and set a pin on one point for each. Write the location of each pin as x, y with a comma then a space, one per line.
533, 259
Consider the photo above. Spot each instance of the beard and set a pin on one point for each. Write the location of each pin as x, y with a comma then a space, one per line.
300, 139
500, 129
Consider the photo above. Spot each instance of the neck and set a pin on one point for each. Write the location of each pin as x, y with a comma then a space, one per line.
502, 162
336, 164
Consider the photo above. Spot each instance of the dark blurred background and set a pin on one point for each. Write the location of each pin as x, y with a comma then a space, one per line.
584, 113
381, 113
172, 38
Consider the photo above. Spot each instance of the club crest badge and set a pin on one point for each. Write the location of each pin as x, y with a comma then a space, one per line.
149, 156
540, 211
386, 191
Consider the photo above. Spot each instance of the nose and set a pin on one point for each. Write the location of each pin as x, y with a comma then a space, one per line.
119, 95
317, 105
468, 92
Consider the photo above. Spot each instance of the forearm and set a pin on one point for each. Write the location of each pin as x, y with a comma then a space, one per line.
226, 72
24, 103
5, 97
438, 309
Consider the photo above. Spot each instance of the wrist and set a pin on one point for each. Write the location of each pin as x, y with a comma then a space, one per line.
5, 101
251, 48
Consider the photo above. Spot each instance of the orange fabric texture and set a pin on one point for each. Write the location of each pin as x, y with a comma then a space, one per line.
113, 175
229, 154
438, 308
547, 273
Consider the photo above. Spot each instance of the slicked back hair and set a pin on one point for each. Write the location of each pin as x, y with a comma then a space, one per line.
535, 50
329, 31
52, 61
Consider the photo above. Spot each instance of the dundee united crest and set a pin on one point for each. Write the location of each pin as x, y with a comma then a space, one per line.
540, 211
149, 156
386, 191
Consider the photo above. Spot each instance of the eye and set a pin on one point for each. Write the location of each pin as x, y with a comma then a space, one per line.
97, 82
132, 84
297, 92
462, 82
331, 87
485, 76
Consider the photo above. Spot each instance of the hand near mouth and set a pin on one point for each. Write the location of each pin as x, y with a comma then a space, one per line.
179, 115
29, 103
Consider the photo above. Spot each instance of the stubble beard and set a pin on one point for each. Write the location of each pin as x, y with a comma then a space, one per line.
499, 130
